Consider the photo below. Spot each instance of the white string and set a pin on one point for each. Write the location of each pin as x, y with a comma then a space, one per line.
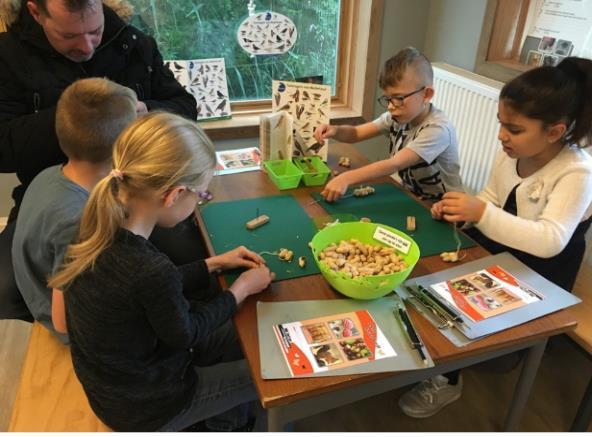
458, 242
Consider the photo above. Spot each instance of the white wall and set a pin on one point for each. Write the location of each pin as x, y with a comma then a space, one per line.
404, 24
453, 31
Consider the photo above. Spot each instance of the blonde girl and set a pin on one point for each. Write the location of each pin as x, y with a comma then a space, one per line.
148, 353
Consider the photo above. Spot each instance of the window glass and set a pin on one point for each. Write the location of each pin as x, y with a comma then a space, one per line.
198, 29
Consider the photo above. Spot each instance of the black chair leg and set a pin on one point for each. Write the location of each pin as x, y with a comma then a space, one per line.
583, 417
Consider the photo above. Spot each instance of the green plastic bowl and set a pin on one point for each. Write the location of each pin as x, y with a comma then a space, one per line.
369, 287
284, 174
315, 171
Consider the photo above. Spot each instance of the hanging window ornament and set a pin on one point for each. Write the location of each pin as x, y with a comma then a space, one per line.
266, 33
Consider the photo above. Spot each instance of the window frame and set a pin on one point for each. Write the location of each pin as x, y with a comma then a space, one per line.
360, 27
500, 41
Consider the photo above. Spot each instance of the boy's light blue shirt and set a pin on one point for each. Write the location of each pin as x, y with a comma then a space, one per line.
47, 222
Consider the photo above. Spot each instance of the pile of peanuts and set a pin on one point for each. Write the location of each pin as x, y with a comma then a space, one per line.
364, 191
286, 254
355, 259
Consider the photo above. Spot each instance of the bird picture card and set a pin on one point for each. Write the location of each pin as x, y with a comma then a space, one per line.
267, 33
205, 79
310, 106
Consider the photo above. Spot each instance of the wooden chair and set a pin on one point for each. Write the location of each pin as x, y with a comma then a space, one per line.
582, 335
49, 396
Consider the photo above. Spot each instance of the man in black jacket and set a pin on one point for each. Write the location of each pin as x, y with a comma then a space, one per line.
51, 44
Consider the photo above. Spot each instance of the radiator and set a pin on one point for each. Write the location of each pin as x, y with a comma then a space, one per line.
470, 101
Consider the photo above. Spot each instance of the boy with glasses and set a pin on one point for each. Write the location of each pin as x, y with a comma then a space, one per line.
423, 147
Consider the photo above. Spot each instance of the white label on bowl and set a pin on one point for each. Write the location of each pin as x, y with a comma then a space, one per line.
390, 238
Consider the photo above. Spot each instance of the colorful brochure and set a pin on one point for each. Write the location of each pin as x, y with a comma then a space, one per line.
486, 293
238, 160
332, 342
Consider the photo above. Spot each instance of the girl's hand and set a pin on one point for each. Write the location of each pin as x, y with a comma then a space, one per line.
324, 131
335, 188
251, 282
436, 210
462, 207
241, 257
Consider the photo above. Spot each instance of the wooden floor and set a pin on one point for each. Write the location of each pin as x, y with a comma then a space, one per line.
560, 383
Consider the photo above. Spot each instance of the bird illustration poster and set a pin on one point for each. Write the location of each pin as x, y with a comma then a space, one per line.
310, 106
206, 80
267, 33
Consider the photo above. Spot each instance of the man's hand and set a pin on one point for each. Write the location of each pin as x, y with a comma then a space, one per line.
462, 207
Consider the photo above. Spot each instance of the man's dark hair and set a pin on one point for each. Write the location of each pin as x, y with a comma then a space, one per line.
71, 5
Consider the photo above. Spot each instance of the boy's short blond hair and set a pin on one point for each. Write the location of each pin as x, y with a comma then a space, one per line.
90, 114
395, 67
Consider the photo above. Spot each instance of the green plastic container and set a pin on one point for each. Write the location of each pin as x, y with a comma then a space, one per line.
369, 287
284, 174
315, 171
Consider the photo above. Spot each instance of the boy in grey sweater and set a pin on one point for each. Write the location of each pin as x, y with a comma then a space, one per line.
89, 116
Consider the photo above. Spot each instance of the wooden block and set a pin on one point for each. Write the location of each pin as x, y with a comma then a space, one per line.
410, 223
48, 381
256, 222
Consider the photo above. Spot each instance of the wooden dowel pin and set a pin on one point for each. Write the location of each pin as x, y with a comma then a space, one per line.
410, 223
256, 222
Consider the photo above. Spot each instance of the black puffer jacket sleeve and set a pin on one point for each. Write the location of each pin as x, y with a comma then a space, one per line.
28, 142
167, 93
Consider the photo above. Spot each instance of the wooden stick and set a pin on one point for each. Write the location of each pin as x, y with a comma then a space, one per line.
410, 223
256, 222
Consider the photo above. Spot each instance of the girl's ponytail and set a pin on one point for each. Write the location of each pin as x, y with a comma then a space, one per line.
154, 153
580, 70
103, 215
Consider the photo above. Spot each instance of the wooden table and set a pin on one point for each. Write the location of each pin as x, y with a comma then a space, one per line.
287, 400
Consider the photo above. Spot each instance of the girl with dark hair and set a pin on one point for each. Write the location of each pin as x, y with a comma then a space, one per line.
537, 204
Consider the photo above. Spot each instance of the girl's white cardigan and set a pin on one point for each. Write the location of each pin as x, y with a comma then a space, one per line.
551, 203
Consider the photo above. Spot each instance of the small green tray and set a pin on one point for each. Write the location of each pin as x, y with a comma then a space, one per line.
284, 174
315, 171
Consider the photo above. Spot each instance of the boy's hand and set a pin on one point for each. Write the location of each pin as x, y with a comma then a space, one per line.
236, 258
324, 131
335, 188
251, 282
436, 210
462, 207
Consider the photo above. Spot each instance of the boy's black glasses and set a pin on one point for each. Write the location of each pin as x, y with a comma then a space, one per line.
396, 101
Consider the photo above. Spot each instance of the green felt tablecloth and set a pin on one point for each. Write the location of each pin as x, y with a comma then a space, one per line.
390, 206
289, 226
